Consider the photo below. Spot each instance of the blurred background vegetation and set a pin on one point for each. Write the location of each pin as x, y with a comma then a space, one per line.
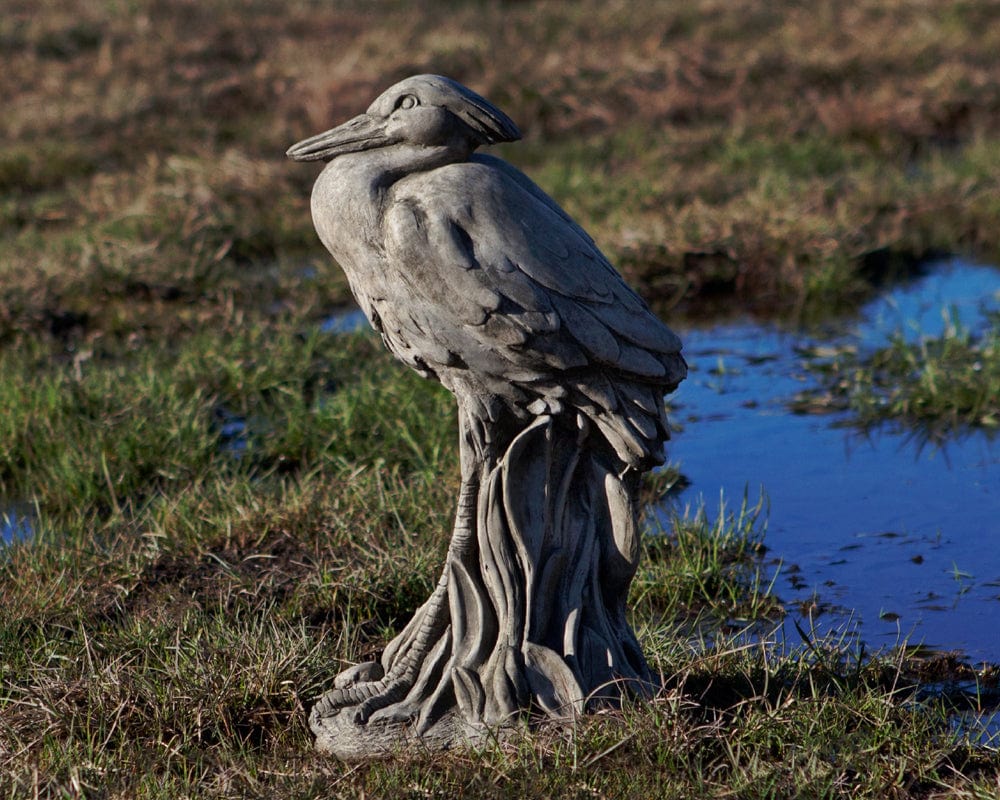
781, 154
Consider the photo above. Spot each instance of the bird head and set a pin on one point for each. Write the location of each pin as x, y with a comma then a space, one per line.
423, 110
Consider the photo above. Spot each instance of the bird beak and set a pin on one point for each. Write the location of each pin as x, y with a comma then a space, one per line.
364, 132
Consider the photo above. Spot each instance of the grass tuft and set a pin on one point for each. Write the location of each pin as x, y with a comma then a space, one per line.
934, 385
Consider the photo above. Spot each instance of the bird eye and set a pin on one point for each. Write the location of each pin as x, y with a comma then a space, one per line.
407, 101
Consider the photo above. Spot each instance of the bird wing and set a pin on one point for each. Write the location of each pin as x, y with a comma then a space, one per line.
501, 268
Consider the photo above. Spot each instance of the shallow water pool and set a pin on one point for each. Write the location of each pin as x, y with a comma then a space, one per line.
16, 522
885, 534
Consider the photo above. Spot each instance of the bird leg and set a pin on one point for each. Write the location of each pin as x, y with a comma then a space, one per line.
405, 655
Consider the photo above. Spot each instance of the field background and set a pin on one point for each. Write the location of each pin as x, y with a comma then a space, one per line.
228, 504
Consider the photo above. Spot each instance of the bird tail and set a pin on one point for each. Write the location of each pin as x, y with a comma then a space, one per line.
631, 416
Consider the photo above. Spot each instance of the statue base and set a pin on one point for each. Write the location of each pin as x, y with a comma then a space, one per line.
339, 735
527, 622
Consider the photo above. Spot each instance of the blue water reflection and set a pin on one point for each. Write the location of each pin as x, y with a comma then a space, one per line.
16, 522
899, 533
350, 320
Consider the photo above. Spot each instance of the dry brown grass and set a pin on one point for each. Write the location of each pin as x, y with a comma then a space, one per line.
766, 149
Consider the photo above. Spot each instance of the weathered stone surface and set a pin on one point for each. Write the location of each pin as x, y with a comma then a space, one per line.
474, 277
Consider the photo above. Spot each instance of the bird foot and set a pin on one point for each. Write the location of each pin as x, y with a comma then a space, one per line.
402, 713
365, 672
351, 688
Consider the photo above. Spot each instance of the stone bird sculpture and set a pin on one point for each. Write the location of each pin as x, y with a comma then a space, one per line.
474, 277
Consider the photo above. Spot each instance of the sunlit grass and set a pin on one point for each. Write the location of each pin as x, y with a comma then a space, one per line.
704, 569
193, 660
936, 385
740, 149
105, 427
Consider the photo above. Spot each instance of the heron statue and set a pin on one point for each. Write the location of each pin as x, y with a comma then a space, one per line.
476, 278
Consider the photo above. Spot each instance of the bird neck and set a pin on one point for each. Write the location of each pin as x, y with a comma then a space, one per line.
350, 195
404, 159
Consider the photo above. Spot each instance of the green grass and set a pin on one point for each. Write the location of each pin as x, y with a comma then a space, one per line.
707, 571
937, 385
106, 426
169, 625
152, 666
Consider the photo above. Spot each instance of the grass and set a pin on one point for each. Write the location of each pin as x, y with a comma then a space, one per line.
168, 626
936, 385
105, 427
228, 505
734, 149
707, 571
148, 664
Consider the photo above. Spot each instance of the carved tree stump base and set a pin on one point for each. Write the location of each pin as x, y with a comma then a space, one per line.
528, 619
341, 736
